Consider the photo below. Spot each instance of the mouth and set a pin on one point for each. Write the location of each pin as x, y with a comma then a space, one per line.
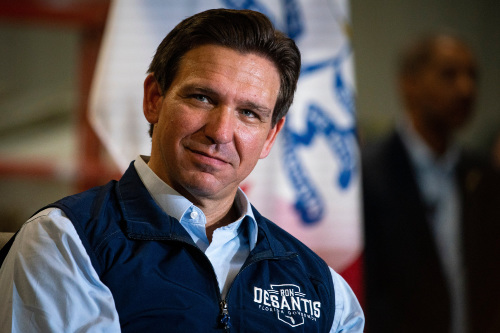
207, 158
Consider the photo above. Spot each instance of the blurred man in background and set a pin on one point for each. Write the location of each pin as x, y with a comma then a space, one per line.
431, 210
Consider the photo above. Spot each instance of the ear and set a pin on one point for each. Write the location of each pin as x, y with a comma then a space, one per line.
271, 137
153, 98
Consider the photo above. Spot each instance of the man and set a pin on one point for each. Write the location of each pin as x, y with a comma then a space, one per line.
431, 209
175, 245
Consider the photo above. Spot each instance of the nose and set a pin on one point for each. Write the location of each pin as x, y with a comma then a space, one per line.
220, 125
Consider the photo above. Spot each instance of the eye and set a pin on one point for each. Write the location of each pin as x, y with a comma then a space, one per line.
201, 98
249, 113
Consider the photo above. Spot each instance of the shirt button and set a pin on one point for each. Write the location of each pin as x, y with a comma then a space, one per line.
193, 215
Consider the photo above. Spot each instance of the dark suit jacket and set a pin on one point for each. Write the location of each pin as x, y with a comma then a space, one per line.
406, 290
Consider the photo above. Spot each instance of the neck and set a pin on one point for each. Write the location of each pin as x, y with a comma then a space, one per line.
218, 214
437, 138
219, 211
215, 222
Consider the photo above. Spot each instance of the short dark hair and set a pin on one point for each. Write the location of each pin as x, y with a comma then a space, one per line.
415, 56
245, 31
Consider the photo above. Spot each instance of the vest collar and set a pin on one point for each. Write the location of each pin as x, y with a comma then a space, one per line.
145, 220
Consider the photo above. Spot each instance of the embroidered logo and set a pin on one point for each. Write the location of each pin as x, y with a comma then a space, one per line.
290, 304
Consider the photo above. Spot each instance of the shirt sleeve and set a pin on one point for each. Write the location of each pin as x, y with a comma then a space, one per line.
48, 283
349, 317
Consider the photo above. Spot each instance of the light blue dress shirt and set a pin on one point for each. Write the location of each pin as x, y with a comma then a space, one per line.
436, 178
48, 257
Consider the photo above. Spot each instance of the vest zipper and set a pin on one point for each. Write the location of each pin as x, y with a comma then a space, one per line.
225, 320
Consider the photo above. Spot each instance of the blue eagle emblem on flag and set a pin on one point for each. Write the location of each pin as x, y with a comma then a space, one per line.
319, 121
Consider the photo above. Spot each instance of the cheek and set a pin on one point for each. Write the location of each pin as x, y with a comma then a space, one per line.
250, 144
177, 122
170, 132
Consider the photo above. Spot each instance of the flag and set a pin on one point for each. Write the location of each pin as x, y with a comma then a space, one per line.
310, 183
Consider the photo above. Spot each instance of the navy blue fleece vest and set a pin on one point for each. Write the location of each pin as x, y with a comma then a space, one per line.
162, 282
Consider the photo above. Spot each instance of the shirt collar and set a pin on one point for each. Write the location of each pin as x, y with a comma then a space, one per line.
175, 205
421, 154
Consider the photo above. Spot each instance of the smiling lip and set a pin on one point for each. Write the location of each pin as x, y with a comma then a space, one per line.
208, 157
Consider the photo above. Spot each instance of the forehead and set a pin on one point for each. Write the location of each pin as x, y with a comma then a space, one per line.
451, 52
227, 70
214, 55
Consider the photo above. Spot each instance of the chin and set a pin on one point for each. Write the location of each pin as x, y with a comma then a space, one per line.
202, 189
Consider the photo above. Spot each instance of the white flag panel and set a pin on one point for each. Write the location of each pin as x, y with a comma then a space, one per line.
310, 183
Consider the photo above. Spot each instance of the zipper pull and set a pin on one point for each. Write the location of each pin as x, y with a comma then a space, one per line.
225, 320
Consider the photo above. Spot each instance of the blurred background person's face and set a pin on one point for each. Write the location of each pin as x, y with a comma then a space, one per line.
443, 93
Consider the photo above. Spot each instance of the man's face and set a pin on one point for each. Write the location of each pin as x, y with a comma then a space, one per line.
444, 92
214, 122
